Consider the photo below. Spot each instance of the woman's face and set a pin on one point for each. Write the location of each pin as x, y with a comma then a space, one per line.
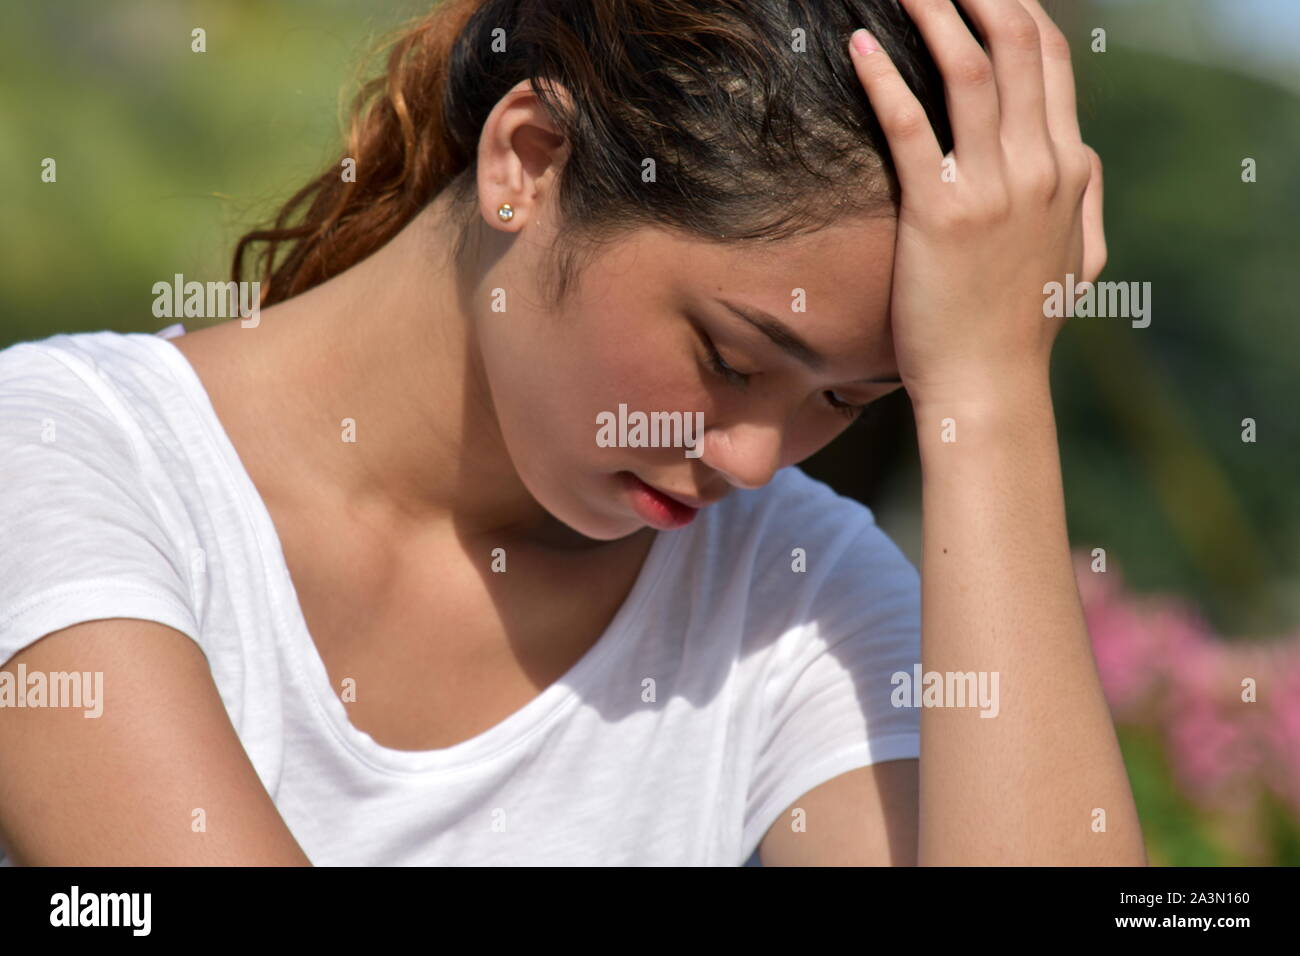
636, 332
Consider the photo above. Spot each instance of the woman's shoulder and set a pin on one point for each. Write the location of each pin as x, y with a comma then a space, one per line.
62, 387
103, 373
792, 507
110, 403
98, 425
87, 534
107, 403
798, 544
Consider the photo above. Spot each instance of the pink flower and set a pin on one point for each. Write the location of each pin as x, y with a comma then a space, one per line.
1126, 651
1162, 666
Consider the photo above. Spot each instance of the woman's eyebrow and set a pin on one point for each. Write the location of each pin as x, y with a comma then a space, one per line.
789, 342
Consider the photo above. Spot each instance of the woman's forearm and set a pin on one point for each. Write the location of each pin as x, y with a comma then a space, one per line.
1028, 785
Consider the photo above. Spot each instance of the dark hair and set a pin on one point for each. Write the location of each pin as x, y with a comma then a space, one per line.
757, 131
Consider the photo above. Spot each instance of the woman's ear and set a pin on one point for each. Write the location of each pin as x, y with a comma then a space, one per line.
520, 154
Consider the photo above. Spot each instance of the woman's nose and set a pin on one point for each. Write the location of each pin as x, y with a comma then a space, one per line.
747, 454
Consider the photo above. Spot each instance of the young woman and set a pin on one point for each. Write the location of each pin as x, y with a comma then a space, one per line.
434, 617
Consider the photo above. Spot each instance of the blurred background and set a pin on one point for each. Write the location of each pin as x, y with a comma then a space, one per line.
165, 157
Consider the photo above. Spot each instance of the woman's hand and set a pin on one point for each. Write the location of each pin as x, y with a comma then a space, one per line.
998, 591
1017, 204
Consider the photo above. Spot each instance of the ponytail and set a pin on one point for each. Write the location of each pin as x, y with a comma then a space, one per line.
402, 157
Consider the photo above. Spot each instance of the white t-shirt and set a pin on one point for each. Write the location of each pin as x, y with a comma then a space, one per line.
727, 685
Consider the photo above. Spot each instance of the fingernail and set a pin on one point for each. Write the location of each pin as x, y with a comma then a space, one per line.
864, 42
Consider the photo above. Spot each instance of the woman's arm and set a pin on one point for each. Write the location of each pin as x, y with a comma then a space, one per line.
998, 595
1037, 777
125, 787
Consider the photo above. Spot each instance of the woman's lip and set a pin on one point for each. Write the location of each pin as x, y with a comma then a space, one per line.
686, 501
657, 508
693, 503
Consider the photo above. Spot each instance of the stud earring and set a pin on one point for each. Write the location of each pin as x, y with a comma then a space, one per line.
506, 212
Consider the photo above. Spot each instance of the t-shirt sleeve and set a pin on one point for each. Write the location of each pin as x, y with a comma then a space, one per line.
827, 698
82, 536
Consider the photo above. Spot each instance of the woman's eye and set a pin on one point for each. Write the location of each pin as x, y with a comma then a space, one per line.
741, 379
719, 366
847, 409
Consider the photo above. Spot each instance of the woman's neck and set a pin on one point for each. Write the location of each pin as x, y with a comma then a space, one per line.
366, 393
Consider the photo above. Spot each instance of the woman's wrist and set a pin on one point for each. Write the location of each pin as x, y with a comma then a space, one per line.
1014, 398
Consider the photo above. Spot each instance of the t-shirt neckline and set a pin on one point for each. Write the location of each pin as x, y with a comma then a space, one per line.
511, 732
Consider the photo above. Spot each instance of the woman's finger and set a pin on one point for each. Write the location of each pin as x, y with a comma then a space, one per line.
912, 142
968, 82
1058, 78
1014, 45
1094, 233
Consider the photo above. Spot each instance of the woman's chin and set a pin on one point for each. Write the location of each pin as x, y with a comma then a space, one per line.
586, 529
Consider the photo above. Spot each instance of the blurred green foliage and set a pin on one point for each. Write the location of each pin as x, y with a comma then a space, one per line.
1156, 468
165, 156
